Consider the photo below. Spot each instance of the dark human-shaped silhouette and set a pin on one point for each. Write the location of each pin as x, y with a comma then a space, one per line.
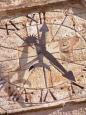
41, 51
40, 45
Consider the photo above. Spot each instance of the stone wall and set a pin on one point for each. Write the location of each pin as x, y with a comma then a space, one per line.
10, 8
69, 109
14, 41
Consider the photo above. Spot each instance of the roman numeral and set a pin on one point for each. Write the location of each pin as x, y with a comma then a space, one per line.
45, 97
41, 18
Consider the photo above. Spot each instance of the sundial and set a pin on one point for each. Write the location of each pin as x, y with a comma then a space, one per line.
42, 58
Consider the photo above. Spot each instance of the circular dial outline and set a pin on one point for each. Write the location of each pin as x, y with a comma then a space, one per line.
15, 49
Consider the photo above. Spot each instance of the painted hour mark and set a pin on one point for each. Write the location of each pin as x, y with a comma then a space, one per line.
32, 18
44, 16
45, 97
41, 95
14, 25
72, 89
40, 18
52, 95
7, 29
26, 98
10, 93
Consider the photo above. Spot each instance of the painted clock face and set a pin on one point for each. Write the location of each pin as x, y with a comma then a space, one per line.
43, 57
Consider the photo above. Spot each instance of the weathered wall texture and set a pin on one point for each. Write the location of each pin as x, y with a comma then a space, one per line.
70, 109
10, 8
14, 57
